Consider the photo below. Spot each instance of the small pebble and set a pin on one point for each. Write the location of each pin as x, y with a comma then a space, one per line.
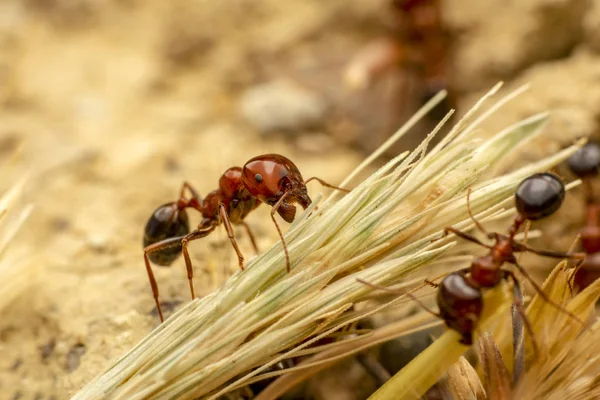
282, 106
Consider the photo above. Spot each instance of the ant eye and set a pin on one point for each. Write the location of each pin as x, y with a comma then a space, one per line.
539, 195
258, 178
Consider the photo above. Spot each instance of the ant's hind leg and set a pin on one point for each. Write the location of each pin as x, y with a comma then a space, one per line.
162, 245
197, 234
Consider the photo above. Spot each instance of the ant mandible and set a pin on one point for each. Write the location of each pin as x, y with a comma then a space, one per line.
270, 178
460, 297
585, 163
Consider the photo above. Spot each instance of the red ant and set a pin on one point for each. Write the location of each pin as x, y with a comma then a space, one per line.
418, 41
585, 163
271, 179
460, 297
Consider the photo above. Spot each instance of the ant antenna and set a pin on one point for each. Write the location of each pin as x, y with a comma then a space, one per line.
322, 182
477, 223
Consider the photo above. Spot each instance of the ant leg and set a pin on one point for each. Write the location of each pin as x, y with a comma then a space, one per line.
251, 235
374, 368
231, 234
190, 188
322, 182
407, 294
465, 236
285, 250
195, 201
431, 283
477, 223
163, 244
197, 234
545, 253
544, 296
518, 323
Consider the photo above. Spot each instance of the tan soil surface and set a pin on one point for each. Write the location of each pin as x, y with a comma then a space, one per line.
118, 101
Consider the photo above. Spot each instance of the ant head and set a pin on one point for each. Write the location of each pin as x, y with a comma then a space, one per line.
585, 162
230, 181
168, 221
269, 177
539, 196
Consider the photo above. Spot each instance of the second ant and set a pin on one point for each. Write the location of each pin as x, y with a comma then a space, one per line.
270, 178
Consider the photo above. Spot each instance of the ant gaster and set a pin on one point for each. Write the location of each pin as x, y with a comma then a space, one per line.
460, 297
271, 179
585, 163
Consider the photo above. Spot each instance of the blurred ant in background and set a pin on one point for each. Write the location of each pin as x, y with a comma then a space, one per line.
271, 179
419, 44
585, 164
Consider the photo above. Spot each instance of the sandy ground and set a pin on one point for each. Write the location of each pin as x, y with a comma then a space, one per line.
118, 101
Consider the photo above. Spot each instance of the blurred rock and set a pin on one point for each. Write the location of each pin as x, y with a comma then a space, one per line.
282, 105
569, 89
498, 38
316, 143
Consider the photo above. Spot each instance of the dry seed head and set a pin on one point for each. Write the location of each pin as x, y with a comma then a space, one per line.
380, 232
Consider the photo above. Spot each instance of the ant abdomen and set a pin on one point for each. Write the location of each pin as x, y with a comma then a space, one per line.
585, 162
588, 272
460, 303
590, 238
168, 221
539, 196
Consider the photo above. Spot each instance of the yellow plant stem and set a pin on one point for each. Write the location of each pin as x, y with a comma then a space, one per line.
428, 367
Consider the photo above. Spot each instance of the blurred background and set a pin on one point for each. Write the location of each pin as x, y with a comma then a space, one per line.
109, 105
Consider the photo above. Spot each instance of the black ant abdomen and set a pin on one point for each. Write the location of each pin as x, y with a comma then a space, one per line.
539, 196
585, 162
460, 303
168, 221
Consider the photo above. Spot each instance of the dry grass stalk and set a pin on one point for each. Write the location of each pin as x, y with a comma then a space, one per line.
380, 232
15, 273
